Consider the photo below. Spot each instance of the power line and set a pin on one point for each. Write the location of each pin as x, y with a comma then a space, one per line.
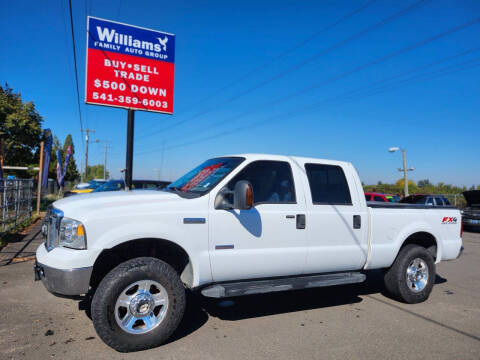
277, 57
75, 64
288, 51
291, 114
306, 61
384, 80
354, 70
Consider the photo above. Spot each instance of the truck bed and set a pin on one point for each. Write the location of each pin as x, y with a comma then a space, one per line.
387, 205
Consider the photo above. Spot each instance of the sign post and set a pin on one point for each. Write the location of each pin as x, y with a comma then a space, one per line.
129, 157
129, 67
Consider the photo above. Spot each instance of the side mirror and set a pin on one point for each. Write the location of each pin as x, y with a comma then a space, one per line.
243, 195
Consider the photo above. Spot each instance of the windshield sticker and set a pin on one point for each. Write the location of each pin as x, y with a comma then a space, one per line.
202, 175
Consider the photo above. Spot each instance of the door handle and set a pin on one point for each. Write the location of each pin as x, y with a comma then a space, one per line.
357, 221
301, 221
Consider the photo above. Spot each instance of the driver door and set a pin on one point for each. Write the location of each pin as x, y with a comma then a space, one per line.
264, 241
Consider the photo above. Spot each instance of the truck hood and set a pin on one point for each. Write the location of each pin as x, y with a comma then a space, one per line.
81, 206
472, 197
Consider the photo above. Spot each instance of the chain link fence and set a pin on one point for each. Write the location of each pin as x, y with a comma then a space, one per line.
16, 202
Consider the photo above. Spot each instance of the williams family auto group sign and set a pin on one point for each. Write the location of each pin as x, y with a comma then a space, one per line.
129, 66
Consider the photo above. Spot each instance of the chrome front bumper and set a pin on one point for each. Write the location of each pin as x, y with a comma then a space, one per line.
64, 282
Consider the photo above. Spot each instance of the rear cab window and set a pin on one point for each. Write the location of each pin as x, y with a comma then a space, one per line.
328, 184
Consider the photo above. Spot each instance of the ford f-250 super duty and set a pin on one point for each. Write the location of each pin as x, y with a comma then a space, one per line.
235, 225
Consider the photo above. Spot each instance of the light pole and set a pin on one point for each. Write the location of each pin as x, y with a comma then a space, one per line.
404, 157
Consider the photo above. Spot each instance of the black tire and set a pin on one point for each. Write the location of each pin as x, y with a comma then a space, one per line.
396, 277
129, 272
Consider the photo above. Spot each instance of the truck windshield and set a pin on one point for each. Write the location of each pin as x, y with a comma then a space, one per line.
205, 176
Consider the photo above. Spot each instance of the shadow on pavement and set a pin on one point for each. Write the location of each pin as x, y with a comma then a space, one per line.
199, 308
291, 301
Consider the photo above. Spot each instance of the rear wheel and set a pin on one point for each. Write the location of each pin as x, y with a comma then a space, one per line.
412, 275
138, 304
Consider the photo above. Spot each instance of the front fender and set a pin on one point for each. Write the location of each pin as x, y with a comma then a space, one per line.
193, 239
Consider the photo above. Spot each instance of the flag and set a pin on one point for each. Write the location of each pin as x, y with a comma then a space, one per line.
59, 168
47, 149
1, 178
61, 173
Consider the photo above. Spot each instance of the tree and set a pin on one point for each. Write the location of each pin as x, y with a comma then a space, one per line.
424, 183
72, 170
20, 128
52, 167
411, 185
95, 172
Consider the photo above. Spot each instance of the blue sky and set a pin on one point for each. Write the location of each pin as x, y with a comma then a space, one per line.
247, 80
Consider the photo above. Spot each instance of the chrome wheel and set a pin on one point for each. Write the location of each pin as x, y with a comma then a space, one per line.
417, 275
141, 306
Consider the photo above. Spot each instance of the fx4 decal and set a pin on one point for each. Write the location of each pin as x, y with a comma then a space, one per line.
449, 220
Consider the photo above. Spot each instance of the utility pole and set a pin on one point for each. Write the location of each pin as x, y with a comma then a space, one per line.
405, 169
405, 180
87, 132
105, 147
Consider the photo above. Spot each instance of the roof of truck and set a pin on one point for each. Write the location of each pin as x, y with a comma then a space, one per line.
254, 156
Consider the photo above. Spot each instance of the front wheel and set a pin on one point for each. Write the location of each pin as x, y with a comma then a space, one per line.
138, 304
412, 275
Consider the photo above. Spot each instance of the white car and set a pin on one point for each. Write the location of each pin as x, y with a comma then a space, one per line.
235, 225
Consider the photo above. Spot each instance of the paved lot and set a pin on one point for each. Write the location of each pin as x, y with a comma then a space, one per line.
346, 322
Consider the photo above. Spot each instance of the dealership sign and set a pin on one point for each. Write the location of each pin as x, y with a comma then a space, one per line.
129, 66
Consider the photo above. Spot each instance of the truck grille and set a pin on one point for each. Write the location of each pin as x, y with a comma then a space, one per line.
51, 227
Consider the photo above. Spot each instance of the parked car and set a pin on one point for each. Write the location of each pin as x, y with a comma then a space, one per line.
381, 197
471, 214
233, 226
92, 185
81, 186
422, 199
114, 185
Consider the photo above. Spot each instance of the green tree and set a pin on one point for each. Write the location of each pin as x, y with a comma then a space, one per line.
95, 172
72, 170
20, 128
52, 167
424, 183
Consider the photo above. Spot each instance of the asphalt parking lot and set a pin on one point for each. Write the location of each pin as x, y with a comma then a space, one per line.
344, 322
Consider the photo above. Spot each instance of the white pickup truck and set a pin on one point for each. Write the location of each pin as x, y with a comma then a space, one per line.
235, 225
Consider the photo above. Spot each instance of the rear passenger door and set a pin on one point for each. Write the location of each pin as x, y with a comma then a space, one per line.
336, 219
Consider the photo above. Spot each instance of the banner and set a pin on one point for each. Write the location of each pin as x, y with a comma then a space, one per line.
47, 150
59, 168
61, 174
1, 178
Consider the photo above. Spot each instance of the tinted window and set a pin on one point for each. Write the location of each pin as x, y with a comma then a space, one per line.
429, 201
272, 181
367, 197
447, 202
378, 198
439, 201
328, 184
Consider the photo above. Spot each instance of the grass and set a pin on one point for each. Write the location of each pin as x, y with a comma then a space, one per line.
47, 200
16, 232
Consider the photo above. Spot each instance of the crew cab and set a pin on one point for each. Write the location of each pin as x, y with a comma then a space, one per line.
235, 225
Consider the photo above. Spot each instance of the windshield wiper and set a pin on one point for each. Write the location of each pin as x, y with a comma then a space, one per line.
174, 188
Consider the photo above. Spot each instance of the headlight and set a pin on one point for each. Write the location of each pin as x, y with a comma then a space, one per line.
72, 234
